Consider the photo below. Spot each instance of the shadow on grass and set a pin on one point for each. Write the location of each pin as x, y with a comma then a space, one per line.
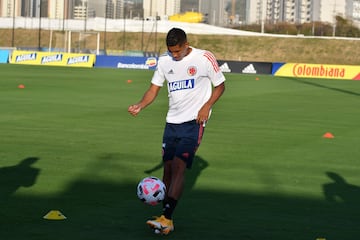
20, 175
98, 209
315, 84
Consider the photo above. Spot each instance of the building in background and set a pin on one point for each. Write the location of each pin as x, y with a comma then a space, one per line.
117, 9
33, 8
56, 9
96, 8
160, 9
80, 9
353, 10
298, 11
215, 12
10, 8
120, 9
30, 8
189, 6
327, 10
24, 8
110, 9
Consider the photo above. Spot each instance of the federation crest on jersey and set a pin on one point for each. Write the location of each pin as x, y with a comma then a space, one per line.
191, 70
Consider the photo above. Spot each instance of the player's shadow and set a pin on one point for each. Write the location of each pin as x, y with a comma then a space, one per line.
343, 208
325, 87
21, 175
341, 192
96, 205
191, 175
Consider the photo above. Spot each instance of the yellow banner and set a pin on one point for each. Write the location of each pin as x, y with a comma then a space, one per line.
52, 59
304, 70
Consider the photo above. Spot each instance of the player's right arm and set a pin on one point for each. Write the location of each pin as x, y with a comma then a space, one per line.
148, 98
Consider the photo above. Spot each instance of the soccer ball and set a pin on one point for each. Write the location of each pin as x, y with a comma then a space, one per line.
151, 190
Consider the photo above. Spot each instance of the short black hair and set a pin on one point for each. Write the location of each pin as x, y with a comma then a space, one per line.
176, 36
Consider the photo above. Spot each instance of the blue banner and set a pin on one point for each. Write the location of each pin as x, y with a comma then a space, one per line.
276, 66
126, 62
4, 56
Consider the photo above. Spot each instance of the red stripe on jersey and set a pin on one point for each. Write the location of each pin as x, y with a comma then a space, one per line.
212, 60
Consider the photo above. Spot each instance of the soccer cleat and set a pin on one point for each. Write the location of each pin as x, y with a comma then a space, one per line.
162, 224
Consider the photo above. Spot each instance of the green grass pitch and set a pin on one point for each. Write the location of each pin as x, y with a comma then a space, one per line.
263, 171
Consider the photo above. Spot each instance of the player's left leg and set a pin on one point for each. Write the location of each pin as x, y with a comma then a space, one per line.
182, 150
174, 170
176, 186
178, 167
162, 224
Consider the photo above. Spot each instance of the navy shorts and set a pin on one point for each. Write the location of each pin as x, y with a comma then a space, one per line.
182, 141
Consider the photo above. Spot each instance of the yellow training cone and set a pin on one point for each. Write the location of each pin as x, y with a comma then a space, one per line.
54, 215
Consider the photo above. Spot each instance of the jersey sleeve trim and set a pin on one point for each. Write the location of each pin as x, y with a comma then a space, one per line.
212, 60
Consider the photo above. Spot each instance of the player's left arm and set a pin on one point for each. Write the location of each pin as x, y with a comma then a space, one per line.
217, 79
204, 112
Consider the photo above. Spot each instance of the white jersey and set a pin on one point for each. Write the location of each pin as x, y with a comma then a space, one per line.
189, 83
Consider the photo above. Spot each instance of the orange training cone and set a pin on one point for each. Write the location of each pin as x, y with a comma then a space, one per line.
21, 86
328, 135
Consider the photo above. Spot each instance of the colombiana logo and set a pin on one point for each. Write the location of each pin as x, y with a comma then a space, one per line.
191, 70
181, 85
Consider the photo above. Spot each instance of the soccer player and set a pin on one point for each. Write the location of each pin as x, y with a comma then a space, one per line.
195, 82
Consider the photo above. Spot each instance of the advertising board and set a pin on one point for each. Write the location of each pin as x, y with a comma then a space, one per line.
245, 67
4, 56
52, 58
304, 70
128, 62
